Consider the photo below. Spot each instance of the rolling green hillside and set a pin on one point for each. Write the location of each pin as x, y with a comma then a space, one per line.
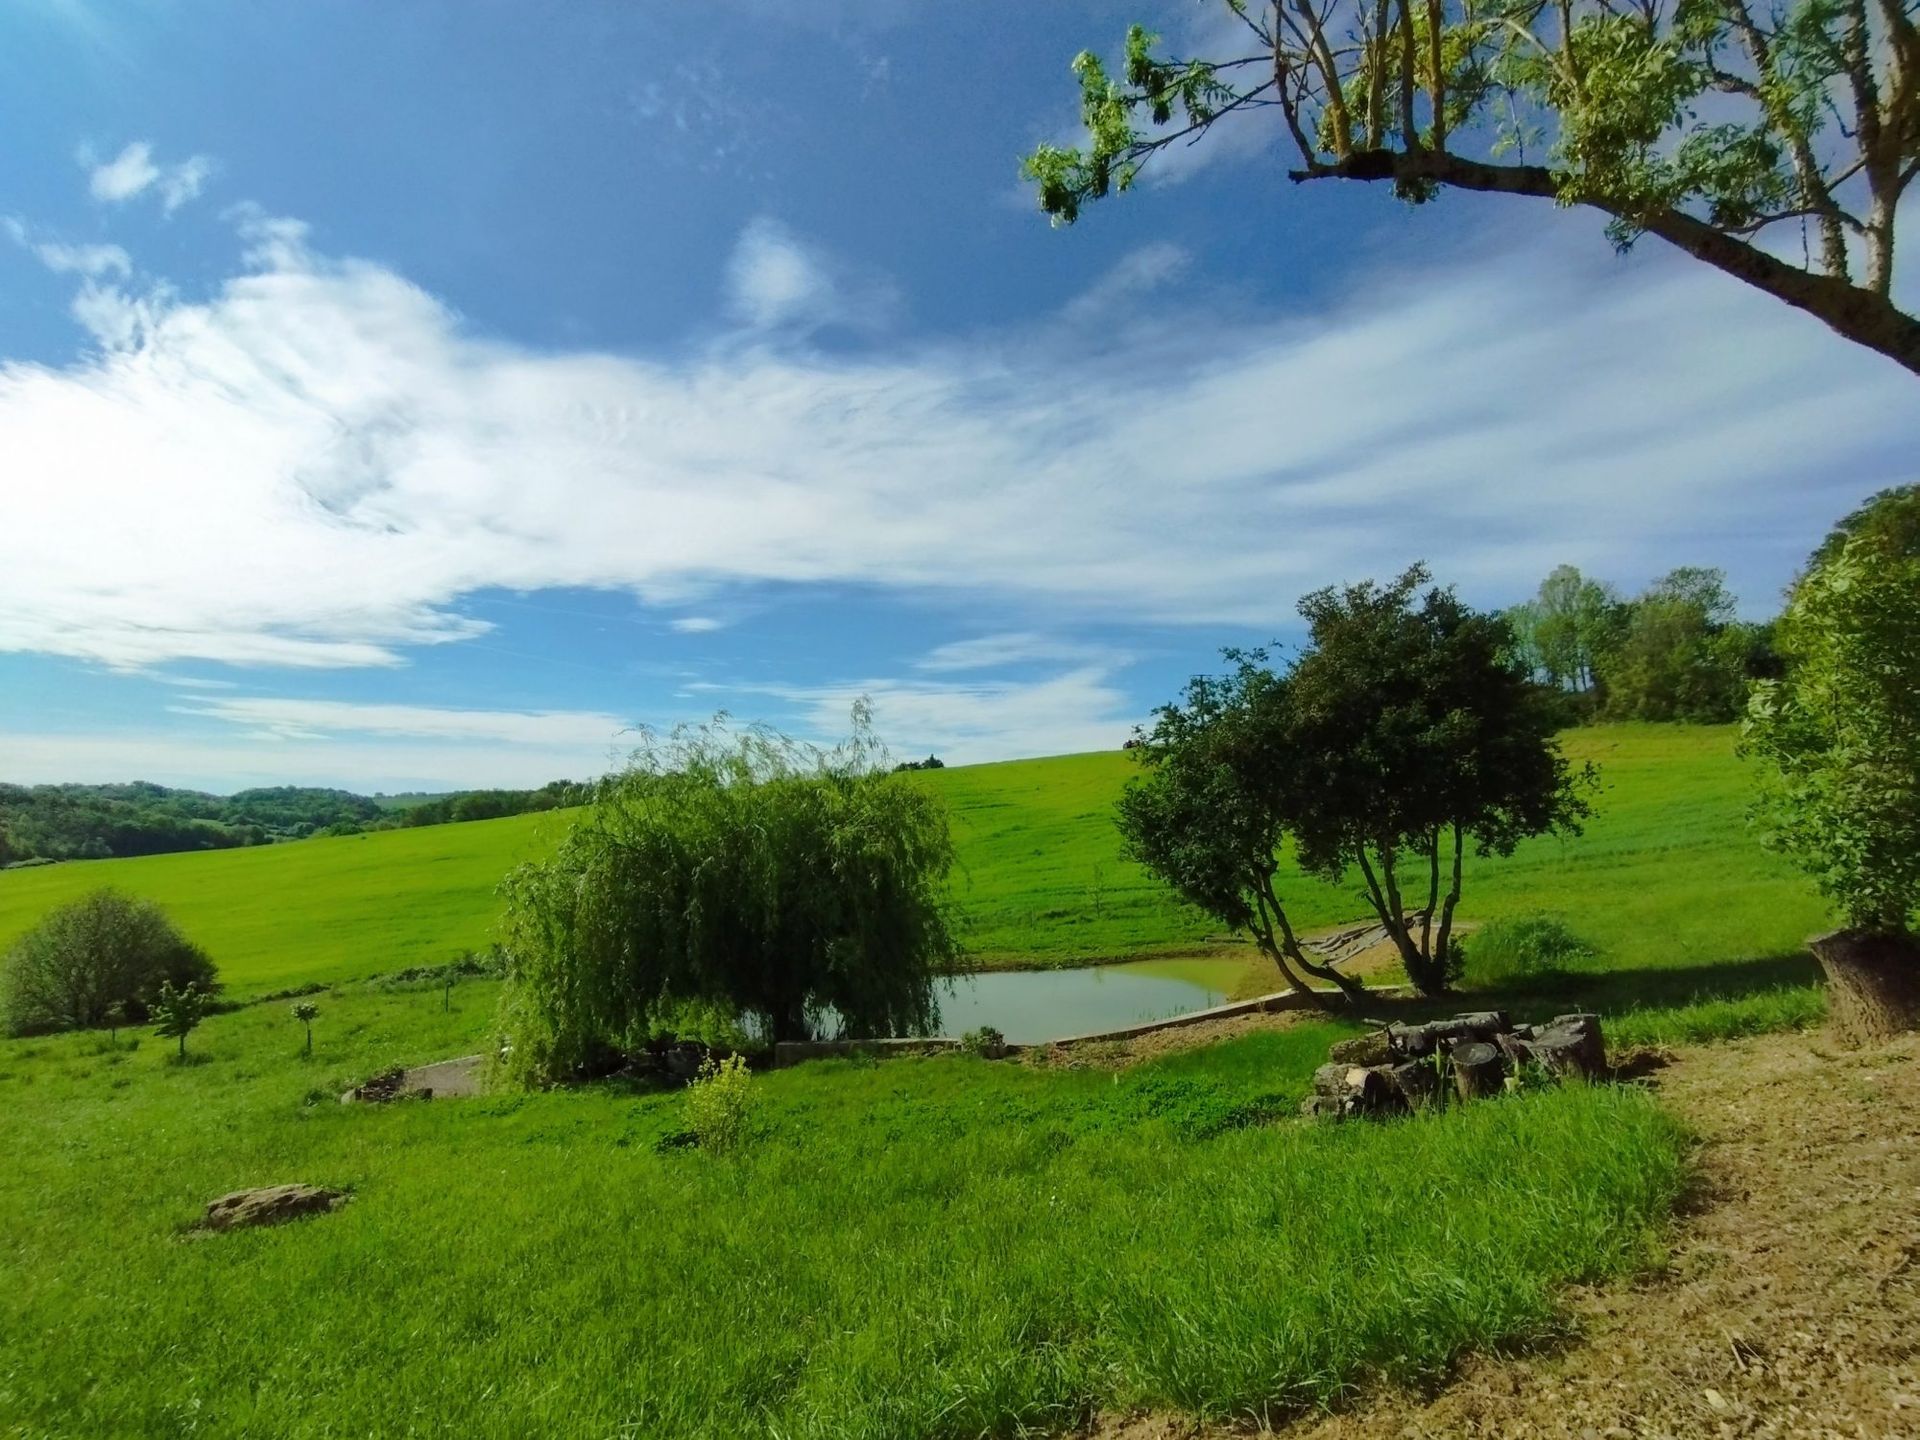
1667, 875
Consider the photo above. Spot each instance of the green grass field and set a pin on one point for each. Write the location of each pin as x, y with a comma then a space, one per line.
922, 1248
944, 1247
1667, 877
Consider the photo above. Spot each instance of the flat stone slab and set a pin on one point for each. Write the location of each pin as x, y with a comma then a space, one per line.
269, 1205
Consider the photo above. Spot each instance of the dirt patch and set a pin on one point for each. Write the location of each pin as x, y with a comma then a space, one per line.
1112, 1054
1791, 1303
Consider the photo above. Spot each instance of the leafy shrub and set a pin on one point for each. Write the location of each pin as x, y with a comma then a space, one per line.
70, 970
1522, 947
985, 1042
719, 1099
1839, 737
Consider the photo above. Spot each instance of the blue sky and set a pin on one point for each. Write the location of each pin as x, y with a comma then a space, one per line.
421, 394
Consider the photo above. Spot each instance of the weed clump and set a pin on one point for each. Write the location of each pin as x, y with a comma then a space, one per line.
719, 1100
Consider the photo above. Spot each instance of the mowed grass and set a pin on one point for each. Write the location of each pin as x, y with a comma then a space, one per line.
321, 910
1667, 881
945, 1247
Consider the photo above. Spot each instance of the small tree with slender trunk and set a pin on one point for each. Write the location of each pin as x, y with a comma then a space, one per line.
1209, 813
306, 1012
1839, 742
180, 1013
1419, 736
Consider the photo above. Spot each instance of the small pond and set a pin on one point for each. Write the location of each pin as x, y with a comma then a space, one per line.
1027, 1006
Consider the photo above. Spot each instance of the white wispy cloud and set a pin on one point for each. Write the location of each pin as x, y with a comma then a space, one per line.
299, 719
970, 723
235, 761
993, 652
697, 624
1134, 276
312, 465
134, 171
775, 280
88, 260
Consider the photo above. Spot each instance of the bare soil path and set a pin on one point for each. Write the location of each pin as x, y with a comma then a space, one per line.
1791, 1303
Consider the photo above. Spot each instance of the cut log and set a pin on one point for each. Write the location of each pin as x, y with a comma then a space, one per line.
1353, 1090
1873, 984
1571, 1045
1373, 1048
1482, 1024
1479, 1069
1417, 1083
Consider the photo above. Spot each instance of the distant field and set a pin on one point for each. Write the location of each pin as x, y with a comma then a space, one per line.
1667, 876
324, 909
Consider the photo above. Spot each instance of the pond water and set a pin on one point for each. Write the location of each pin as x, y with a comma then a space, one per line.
1027, 1006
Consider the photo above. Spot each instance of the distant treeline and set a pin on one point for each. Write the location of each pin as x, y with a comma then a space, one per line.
99, 822
1673, 652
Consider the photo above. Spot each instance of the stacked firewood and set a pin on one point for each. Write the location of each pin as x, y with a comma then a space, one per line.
1398, 1068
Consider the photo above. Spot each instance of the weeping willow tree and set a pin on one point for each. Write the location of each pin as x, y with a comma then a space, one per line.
1713, 125
734, 871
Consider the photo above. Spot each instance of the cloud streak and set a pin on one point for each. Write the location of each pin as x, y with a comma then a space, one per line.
311, 466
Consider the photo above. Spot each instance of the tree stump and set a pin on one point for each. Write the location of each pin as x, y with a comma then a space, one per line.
1479, 1069
1571, 1045
1873, 984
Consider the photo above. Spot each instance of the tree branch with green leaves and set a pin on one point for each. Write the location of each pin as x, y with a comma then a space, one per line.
1701, 122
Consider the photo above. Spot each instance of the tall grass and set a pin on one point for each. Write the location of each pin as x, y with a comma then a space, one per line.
944, 1247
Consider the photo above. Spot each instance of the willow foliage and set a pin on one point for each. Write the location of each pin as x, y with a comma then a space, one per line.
740, 873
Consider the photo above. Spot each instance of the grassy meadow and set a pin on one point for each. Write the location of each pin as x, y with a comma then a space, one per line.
924, 1248
944, 1247
1666, 879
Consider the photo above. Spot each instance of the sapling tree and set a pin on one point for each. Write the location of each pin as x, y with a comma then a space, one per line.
306, 1012
179, 1012
1720, 127
1839, 743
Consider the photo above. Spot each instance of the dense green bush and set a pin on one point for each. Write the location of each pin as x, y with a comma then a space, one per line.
1839, 736
103, 949
796, 889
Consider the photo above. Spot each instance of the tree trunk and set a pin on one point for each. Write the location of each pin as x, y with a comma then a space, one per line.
1873, 983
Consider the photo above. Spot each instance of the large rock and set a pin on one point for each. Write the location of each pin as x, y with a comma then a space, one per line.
270, 1205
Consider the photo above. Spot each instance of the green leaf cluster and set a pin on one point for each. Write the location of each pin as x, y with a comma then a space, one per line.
1839, 736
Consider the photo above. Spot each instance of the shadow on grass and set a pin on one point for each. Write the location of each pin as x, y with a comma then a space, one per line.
1609, 992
